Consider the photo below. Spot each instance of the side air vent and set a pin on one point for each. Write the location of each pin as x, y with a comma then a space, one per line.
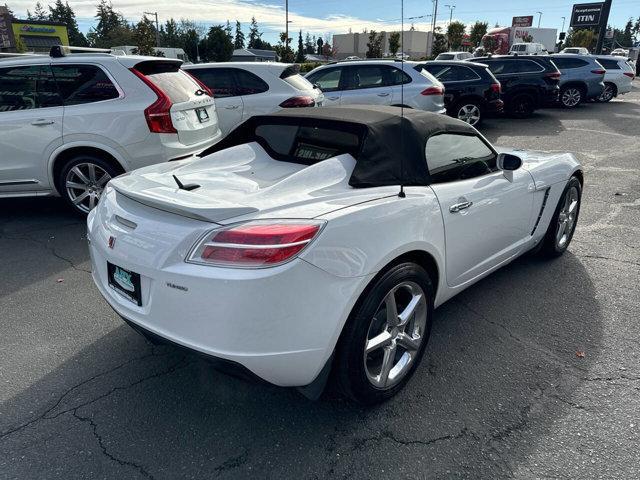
544, 204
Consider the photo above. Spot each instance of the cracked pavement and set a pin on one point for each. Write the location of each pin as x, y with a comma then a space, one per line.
501, 392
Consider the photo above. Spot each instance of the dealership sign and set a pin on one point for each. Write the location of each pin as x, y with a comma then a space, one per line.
586, 15
526, 21
37, 29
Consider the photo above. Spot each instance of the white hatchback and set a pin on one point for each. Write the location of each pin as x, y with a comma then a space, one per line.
69, 123
618, 77
379, 82
245, 89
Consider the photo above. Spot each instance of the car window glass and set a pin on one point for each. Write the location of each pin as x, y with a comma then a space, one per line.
80, 84
328, 80
567, 63
526, 66
298, 82
456, 73
445, 56
219, 80
609, 64
367, 76
496, 66
395, 76
26, 88
249, 83
452, 157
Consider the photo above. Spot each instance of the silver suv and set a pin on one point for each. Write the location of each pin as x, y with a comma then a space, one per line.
582, 78
379, 82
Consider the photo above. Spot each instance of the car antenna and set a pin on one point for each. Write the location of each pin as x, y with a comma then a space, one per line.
188, 187
401, 194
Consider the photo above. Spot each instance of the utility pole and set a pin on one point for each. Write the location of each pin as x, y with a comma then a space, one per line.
563, 19
602, 27
433, 25
157, 27
286, 25
451, 7
539, 18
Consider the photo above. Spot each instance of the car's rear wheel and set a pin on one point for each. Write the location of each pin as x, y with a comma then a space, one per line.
571, 97
386, 334
608, 93
564, 220
82, 180
469, 112
522, 106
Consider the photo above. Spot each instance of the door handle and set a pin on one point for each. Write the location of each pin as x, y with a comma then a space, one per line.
383, 94
333, 98
460, 206
42, 121
232, 107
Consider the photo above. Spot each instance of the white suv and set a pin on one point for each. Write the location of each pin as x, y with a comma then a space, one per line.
69, 123
244, 89
618, 77
379, 82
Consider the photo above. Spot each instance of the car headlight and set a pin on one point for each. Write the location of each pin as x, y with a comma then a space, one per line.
255, 244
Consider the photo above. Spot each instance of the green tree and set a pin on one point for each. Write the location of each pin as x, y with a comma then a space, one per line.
111, 29
478, 31
455, 33
300, 58
216, 46
238, 41
581, 38
255, 40
170, 35
283, 49
439, 42
40, 13
374, 45
190, 41
145, 37
394, 43
309, 45
63, 13
228, 31
627, 36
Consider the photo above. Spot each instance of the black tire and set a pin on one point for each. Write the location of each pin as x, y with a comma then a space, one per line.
551, 245
351, 368
521, 105
571, 96
467, 111
609, 92
83, 163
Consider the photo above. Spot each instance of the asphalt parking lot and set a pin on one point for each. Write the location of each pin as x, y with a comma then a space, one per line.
532, 373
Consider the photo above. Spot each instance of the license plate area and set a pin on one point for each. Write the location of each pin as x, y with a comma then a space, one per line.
125, 282
202, 114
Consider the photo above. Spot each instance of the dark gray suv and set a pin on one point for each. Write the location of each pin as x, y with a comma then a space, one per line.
582, 78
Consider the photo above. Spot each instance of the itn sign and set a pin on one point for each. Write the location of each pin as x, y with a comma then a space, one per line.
586, 15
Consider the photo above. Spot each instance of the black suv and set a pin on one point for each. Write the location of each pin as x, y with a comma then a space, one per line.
470, 89
528, 81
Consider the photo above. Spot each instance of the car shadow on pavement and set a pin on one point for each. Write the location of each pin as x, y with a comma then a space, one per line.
541, 124
500, 370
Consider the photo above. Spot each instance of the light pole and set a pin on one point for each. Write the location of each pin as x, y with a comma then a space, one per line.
563, 19
539, 18
157, 27
286, 25
451, 7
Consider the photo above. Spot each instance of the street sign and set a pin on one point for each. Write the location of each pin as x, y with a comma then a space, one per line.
586, 15
526, 21
609, 34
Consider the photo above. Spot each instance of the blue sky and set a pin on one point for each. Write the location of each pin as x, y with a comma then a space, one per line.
325, 17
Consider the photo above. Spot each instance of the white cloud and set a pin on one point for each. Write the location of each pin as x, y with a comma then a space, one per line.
270, 17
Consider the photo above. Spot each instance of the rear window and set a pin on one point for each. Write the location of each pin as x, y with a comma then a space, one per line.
609, 64
168, 77
446, 56
567, 63
79, 84
298, 82
307, 144
451, 73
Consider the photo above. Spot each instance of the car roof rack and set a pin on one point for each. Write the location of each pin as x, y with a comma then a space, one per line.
11, 55
388, 59
59, 51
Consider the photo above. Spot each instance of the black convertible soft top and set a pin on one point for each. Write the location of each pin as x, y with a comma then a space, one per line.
392, 143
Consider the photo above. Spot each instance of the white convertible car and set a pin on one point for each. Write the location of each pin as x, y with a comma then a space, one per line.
319, 241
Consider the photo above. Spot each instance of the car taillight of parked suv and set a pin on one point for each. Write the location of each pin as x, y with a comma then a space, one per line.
528, 82
471, 90
71, 122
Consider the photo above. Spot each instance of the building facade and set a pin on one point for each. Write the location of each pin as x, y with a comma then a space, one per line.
30, 35
414, 43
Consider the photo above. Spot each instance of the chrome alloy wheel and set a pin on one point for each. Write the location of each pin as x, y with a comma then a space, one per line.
571, 97
567, 217
84, 184
469, 113
395, 335
607, 93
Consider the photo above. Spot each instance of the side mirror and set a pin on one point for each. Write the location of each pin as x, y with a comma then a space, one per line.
508, 161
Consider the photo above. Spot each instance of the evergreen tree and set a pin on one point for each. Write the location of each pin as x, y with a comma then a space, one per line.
254, 35
394, 43
309, 48
170, 35
228, 31
478, 30
111, 30
145, 37
374, 45
238, 41
217, 46
63, 13
39, 13
300, 53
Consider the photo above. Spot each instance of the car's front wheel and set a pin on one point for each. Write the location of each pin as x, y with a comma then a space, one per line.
386, 334
469, 112
608, 93
564, 220
82, 180
571, 97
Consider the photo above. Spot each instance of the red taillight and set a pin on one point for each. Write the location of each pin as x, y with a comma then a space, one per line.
496, 87
629, 74
432, 91
554, 75
299, 101
158, 114
256, 244
599, 71
204, 88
